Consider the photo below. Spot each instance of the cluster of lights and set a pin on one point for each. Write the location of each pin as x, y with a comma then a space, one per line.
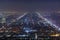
56, 35
49, 22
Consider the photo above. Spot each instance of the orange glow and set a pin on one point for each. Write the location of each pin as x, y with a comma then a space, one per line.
55, 35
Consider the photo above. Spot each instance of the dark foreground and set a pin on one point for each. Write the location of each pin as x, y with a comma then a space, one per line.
41, 38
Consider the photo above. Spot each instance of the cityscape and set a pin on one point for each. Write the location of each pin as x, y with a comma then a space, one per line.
31, 25
30, 19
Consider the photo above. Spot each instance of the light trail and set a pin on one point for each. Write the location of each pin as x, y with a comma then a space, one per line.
21, 16
49, 22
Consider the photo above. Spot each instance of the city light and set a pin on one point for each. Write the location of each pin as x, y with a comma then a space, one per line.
56, 35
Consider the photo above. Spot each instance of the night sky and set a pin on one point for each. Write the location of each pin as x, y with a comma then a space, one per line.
33, 5
19, 5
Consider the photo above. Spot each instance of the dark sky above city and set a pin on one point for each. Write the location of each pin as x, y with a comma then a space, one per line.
28, 5
32, 5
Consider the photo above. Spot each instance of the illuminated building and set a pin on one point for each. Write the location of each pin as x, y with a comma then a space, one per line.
34, 25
